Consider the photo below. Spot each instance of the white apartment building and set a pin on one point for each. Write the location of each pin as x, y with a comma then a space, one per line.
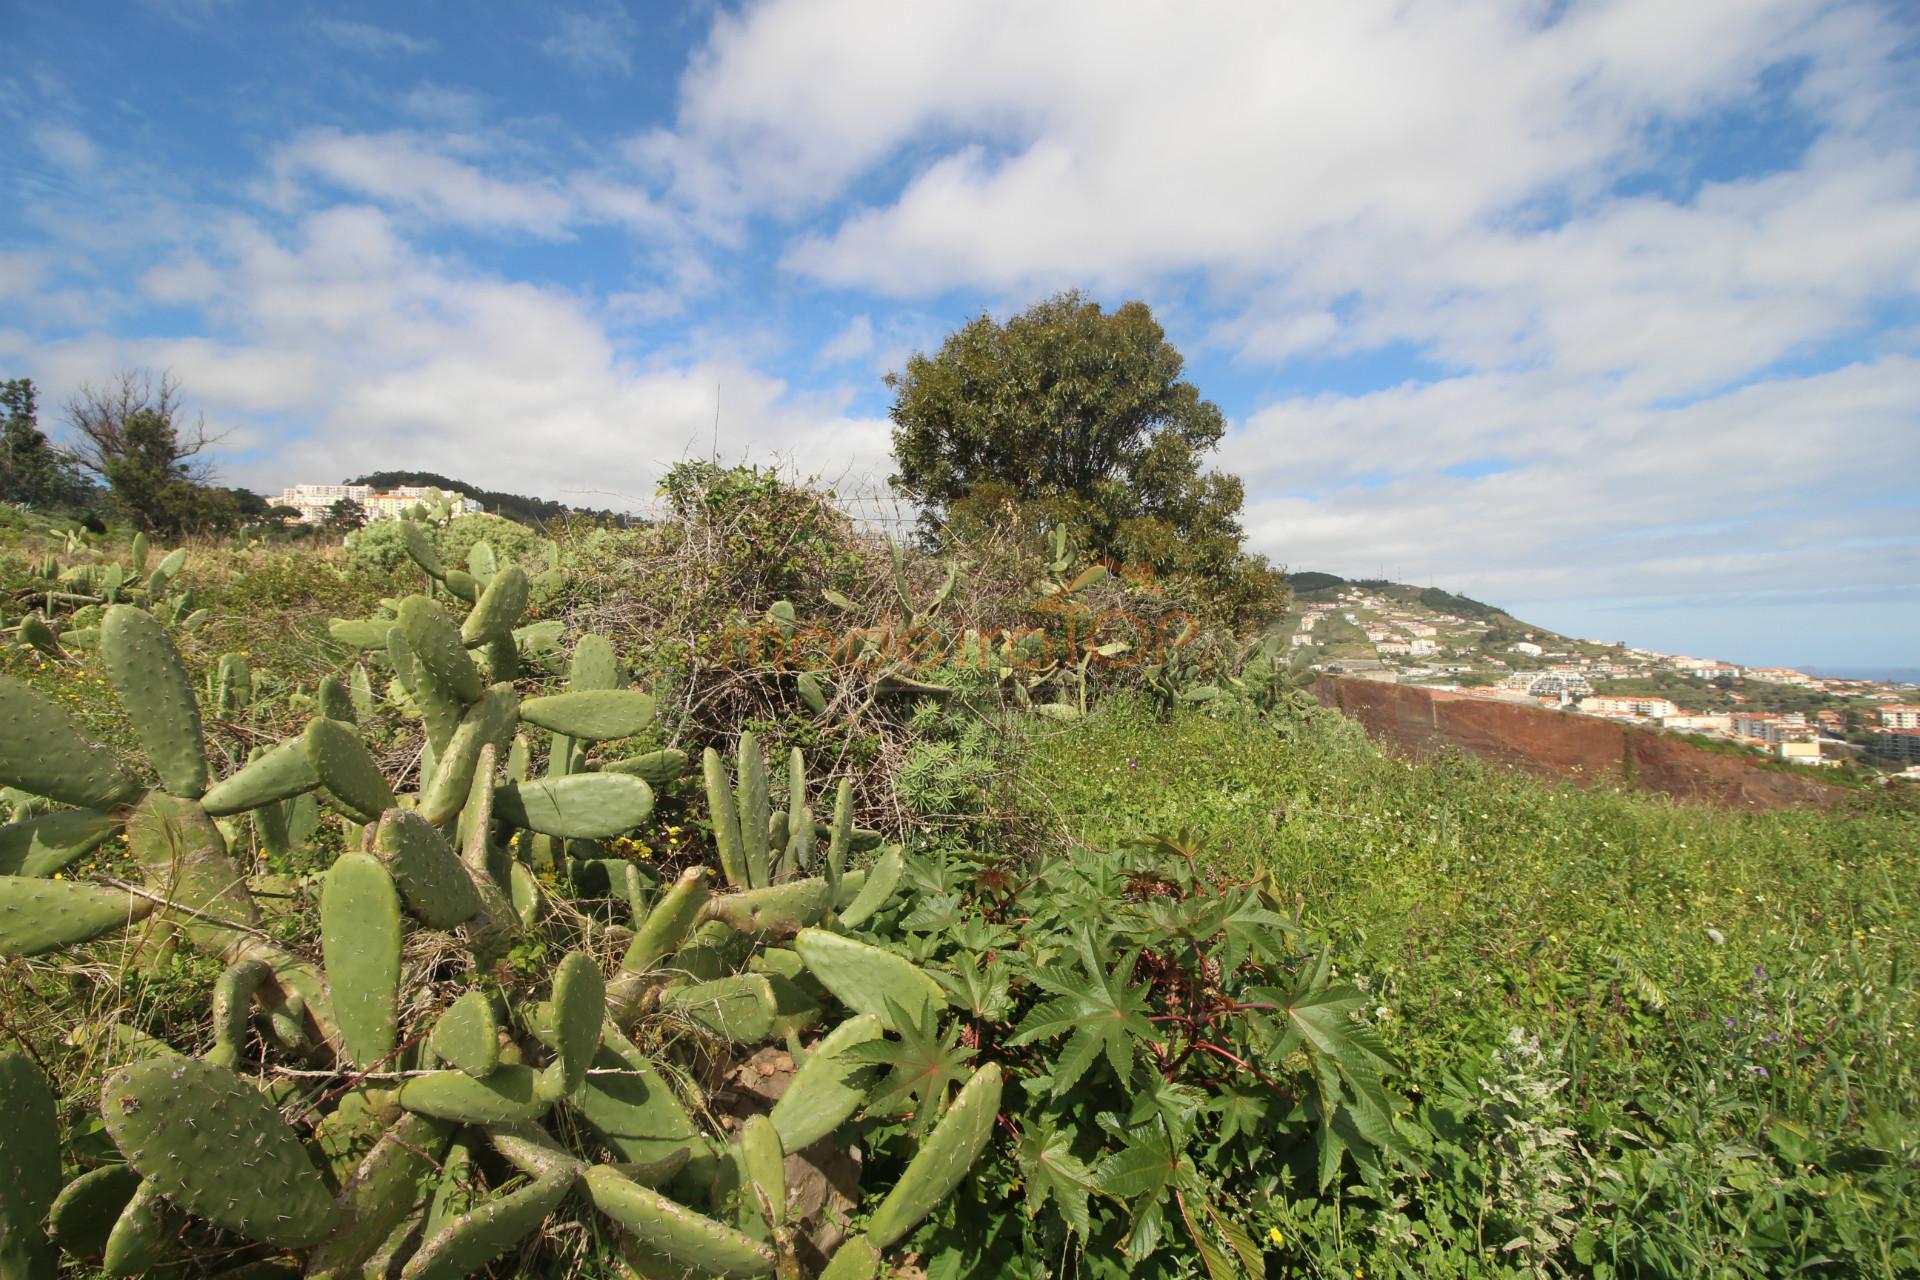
1900, 716
1422, 646
1527, 647
315, 501
1647, 708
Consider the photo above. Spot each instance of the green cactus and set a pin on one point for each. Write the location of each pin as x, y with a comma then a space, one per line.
41, 753
467, 1036
942, 1161
868, 979
346, 769
214, 1146
29, 1167
432, 882
679, 1234
459, 854
507, 1095
829, 1086
579, 1007
279, 773
586, 806
84, 1213
137, 1241
146, 672
655, 767
781, 909
43, 845
360, 939
475, 1238
883, 877
38, 915
593, 715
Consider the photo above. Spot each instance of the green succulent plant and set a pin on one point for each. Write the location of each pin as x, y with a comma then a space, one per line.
420, 1068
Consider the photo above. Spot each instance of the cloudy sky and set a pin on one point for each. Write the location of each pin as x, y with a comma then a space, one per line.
1604, 310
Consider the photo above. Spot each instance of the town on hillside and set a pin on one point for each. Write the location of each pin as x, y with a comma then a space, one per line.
1401, 634
317, 503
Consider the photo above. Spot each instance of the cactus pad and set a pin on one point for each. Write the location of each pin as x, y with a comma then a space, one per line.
596, 716
855, 1259
867, 979
436, 644
346, 769
42, 753
84, 1213
636, 1112
499, 607
594, 665
39, 915
144, 669
29, 1166
656, 767
507, 1096
360, 938
882, 879
215, 1147
431, 879
586, 806
943, 1159
475, 1238
278, 773
467, 1036
782, 909
488, 722
829, 1086
668, 924
681, 1235
740, 1008
43, 845
579, 1007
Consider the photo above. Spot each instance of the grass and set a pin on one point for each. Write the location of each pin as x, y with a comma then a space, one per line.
1703, 982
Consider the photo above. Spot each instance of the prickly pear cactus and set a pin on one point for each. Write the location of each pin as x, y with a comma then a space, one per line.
364, 1049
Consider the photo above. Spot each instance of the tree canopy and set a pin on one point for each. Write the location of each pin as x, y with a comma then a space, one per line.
1069, 414
33, 473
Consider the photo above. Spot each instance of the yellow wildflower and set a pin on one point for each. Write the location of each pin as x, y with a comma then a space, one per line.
1274, 1237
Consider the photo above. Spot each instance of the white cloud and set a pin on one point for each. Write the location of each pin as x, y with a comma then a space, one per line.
66, 148
595, 41
367, 39
853, 341
348, 350
406, 170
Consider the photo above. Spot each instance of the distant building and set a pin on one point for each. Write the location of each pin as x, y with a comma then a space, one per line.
1900, 744
1527, 647
1644, 708
315, 502
1710, 670
1554, 684
1767, 727
1900, 716
1800, 751
1783, 675
1688, 722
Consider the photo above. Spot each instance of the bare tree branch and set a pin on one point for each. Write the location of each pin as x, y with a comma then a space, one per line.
97, 416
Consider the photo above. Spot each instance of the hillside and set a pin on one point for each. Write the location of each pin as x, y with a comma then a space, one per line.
513, 506
606, 897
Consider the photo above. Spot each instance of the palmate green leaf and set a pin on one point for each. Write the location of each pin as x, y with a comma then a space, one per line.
985, 991
1098, 1009
1173, 1105
923, 1064
981, 935
1319, 1017
1143, 1171
1050, 1170
935, 913
1251, 929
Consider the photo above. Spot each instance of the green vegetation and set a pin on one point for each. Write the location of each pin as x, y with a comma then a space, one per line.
1067, 415
742, 894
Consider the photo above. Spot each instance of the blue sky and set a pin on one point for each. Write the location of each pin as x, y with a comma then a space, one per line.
1605, 311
